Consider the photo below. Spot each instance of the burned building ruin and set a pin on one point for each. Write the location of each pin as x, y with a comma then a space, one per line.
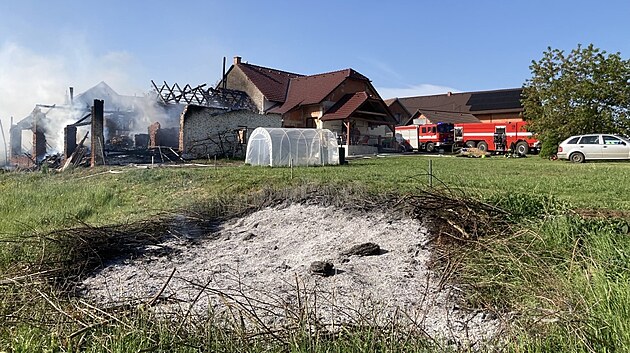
99, 126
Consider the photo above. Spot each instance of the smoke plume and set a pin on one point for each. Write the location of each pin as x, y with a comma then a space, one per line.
28, 77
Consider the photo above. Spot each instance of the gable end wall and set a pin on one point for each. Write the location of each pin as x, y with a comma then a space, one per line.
236, 79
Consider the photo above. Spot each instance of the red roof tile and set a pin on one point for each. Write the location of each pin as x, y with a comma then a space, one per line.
345, 106
313, 89
271, 82
350, 103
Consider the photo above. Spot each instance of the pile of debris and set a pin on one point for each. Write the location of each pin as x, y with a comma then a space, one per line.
473, 152
52, 161
80, 156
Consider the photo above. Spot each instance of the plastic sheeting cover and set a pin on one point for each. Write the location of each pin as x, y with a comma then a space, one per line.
299, 147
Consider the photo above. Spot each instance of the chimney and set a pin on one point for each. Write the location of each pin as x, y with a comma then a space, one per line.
71, 95
237, 60
449, 93
223, 83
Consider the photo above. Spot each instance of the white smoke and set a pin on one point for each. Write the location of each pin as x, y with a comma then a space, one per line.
29, 77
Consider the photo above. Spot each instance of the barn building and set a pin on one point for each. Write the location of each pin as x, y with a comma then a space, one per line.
482, 106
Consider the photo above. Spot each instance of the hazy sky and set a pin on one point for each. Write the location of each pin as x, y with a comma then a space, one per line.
405, 47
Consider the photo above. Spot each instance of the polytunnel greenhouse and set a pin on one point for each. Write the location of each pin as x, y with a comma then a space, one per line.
298, 147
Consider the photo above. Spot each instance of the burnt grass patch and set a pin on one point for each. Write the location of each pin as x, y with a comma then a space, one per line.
58, 260
452, 220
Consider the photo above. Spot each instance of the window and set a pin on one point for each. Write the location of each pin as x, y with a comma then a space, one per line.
445, 127
611, 140
242, 135
424, 130
573, 141
590, 140
433, 129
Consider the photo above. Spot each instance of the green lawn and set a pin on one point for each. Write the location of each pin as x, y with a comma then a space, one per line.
37, 201
563, 278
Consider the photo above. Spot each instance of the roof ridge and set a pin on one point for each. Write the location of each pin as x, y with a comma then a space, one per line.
349, 71
440, 110
271, 69
467, 92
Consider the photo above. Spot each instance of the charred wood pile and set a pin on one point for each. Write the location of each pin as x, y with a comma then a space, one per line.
79, 157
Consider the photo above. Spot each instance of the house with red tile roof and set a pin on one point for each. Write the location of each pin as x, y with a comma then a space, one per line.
266, 87
343, 101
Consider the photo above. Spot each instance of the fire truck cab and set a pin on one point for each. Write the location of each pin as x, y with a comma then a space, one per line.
427, 137
497, 137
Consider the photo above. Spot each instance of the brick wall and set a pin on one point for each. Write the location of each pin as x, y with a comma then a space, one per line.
97, 145
207, 132
69, 140
39, 136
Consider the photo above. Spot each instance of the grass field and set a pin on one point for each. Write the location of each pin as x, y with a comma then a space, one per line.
565, 278
42, 202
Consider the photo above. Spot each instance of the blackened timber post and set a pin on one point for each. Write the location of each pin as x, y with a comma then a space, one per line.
97, 156
69, 140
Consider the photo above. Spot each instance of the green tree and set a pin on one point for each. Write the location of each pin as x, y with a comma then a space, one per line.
585, 91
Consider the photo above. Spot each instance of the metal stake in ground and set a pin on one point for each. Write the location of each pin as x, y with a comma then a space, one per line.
430, 173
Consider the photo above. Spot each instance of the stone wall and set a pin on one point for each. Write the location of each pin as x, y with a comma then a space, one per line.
236, 79
208, 132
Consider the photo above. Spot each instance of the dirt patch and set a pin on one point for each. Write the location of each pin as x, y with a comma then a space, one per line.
602, 213
257, 268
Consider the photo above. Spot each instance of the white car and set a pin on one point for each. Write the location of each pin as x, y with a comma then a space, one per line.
595, 146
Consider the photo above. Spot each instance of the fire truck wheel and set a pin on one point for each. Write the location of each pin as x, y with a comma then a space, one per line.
471, 144
576, 157
482, 146
522, 147
430, 147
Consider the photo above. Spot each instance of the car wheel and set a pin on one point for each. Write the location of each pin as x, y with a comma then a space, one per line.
470, 144
482, 146
576, 157
430, 147
522, 147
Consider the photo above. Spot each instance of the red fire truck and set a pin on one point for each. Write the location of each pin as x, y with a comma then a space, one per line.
496, 137
427, 137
